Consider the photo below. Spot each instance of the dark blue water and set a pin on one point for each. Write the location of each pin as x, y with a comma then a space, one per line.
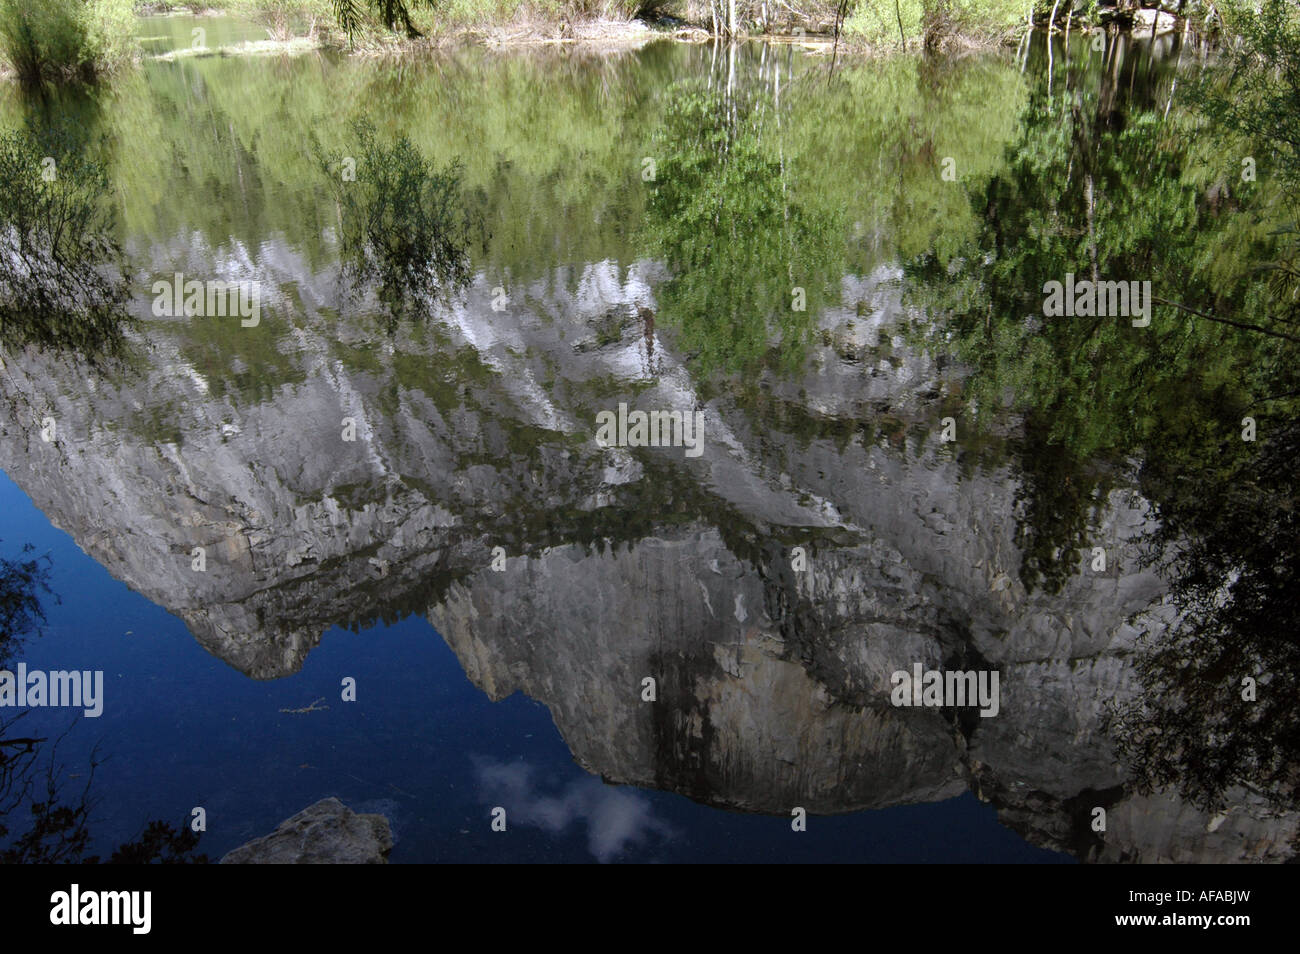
421, 744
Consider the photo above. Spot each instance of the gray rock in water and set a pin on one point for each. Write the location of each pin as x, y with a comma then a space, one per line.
327, 833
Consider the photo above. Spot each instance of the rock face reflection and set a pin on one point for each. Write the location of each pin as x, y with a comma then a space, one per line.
476, 432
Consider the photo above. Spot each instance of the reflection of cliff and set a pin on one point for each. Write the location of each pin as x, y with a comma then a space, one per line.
772, 683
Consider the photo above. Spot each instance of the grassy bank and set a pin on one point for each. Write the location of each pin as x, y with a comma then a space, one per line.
55, 40
861, 24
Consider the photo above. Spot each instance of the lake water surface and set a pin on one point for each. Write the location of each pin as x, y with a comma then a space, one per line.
400, 484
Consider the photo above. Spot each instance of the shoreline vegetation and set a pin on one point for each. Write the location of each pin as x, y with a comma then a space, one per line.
79, 40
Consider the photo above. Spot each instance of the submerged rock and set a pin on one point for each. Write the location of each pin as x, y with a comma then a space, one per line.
327, 833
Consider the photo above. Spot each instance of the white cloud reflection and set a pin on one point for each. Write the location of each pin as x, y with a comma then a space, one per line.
616, 818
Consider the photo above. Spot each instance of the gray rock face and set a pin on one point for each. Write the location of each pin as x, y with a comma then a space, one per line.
327, 833
739, 720
762, 708
772, 683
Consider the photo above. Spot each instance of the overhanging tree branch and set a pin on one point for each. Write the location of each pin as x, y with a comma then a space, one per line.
1245, 326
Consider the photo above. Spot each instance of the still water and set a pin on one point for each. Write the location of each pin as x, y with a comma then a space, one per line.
400, 484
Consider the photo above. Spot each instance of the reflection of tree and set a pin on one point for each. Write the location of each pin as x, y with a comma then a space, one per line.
1252, 104
1257, 93
727, 216
1228, 535
1229, 507
1091, 191
63, 278
55, 825
405, 226
1091, 187
21, 583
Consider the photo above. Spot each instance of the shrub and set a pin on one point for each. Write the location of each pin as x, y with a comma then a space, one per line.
285, 19
878, 23
970, 19
933, 21
64, 39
